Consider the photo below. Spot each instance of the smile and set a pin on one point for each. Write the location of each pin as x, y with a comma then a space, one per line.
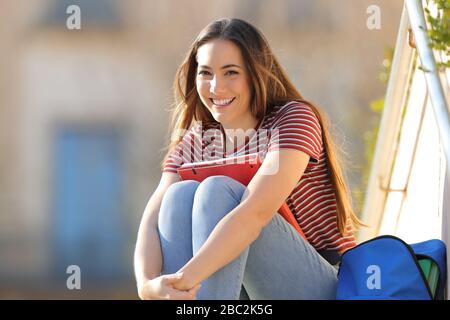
222, 102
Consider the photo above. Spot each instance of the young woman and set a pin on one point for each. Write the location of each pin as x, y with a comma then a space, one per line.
219, 239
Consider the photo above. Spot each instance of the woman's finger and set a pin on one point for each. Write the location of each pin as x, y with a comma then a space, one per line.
170, 278
174, 294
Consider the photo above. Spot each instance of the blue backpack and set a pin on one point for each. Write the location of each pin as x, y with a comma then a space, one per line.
388, 268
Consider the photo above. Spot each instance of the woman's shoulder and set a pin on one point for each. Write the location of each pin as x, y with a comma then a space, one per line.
294, 106
291, 110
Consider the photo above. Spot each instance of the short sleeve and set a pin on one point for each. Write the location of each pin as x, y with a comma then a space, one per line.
186, 151
174, 160
297, 127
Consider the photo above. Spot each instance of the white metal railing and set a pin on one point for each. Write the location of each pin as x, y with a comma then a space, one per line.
440, 108
397, 97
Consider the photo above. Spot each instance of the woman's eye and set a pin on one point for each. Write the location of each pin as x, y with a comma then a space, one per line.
203, 72
207, 73
232, 72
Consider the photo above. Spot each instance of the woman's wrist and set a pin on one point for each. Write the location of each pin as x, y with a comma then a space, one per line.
186, 282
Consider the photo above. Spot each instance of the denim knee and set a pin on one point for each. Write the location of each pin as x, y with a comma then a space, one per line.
217, 195
175, 198
181, 189
218, 187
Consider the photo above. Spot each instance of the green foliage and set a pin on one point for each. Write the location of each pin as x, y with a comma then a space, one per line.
383, 76
439, 30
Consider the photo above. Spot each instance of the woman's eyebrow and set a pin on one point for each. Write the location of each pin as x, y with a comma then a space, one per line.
224, 67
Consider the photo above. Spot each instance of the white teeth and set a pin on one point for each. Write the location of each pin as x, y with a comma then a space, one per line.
222, 102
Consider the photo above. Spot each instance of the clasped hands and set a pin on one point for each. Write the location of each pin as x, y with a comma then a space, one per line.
175, 286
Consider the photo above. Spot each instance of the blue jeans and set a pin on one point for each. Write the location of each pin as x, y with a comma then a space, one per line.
279, 264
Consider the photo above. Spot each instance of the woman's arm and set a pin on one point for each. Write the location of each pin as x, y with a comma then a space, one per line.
269, 188
147, 254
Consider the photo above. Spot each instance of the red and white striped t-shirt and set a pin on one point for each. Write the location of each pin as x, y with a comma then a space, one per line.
293, 126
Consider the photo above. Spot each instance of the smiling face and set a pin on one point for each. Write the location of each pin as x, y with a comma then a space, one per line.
223, 85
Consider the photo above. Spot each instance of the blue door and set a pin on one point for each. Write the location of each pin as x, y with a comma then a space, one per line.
88, 228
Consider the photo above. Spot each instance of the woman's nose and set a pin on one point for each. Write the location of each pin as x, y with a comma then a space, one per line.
216, 85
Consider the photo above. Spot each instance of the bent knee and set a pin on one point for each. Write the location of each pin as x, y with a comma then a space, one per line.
181, 189
216, 181
177, 201
216, 196
218, 187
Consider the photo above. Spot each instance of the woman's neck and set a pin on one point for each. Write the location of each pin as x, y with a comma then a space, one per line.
243, 125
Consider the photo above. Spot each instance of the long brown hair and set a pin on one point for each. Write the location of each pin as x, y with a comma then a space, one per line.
270, 87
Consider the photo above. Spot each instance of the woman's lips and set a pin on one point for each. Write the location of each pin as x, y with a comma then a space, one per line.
220, 103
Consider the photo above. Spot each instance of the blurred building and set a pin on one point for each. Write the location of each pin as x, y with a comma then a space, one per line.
84, 115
